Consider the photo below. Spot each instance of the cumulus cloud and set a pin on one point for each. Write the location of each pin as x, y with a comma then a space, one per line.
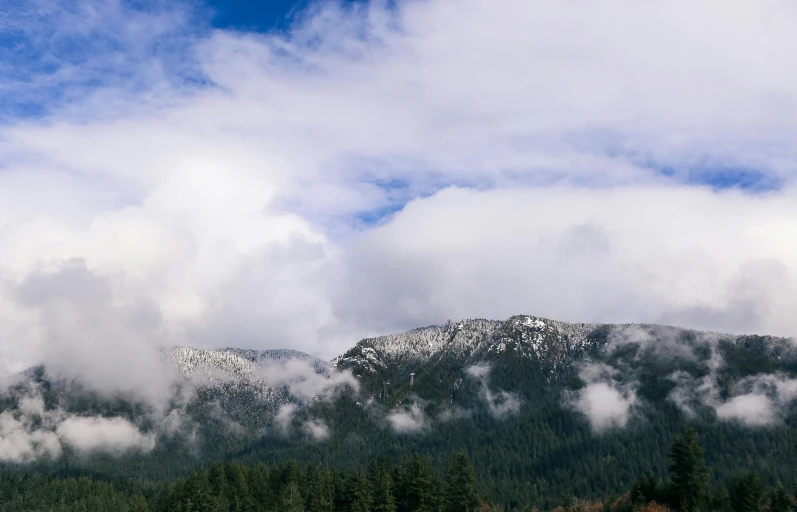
688, 281
605, 402
497, 155
500, 404
83, 331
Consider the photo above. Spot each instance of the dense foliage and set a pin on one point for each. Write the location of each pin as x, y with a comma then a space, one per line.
411, 486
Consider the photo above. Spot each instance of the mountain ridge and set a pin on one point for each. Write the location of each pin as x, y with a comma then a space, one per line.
554, 401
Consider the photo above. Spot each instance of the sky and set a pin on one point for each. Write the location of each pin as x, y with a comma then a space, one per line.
304, 175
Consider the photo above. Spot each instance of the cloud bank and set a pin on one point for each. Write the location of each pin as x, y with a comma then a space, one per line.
375, 168
30, 431
757, 400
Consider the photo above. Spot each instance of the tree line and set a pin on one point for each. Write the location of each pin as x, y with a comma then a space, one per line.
412, 485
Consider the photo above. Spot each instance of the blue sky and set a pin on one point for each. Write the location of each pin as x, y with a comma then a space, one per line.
36, 51
357, 169
260, 16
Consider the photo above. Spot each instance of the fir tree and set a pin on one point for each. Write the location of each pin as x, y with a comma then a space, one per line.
291, 498
748, 493
258, 484
238, 497
322, 492
688, 474
358, 493
217, 478
417, 490
138, 504
720, 501
382, 486
462, 493
779, 500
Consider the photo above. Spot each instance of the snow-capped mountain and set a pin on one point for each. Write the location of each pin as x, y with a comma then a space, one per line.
546, 340
485, 381
208, 366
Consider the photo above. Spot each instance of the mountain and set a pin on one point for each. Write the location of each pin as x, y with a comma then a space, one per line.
544, 408
420, 352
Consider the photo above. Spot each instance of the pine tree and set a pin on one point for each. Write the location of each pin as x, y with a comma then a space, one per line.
720, 501
259, 489
322, 492
748, 493
417, 487
382, 486
462, 493
238, 496
358, 493
688, 474
196, 493
138, 504
291, 498
779, 500
217, 478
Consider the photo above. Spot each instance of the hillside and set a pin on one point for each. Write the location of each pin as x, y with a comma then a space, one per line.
545, 409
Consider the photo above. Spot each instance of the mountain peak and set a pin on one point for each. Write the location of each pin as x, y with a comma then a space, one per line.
527, 334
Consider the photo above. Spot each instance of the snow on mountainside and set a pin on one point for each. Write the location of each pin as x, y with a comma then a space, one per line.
529, 335
281, 355
205, 367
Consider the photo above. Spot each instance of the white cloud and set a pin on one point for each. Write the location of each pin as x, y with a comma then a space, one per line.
408, 420
756, 400
19, 442
751, 409
605, 405
316, 429
229, 214
303, 381
656, 265
605, 402
479, 371
114, 435
31, 431
284, 417
500, 404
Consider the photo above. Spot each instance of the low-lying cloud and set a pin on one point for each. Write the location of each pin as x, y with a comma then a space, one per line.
755, 401
408, 419
750, 409
604, 401
316, 429
284, 417
86, 332
303, 381
501, 403
30, 431
758, 400
113, 435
